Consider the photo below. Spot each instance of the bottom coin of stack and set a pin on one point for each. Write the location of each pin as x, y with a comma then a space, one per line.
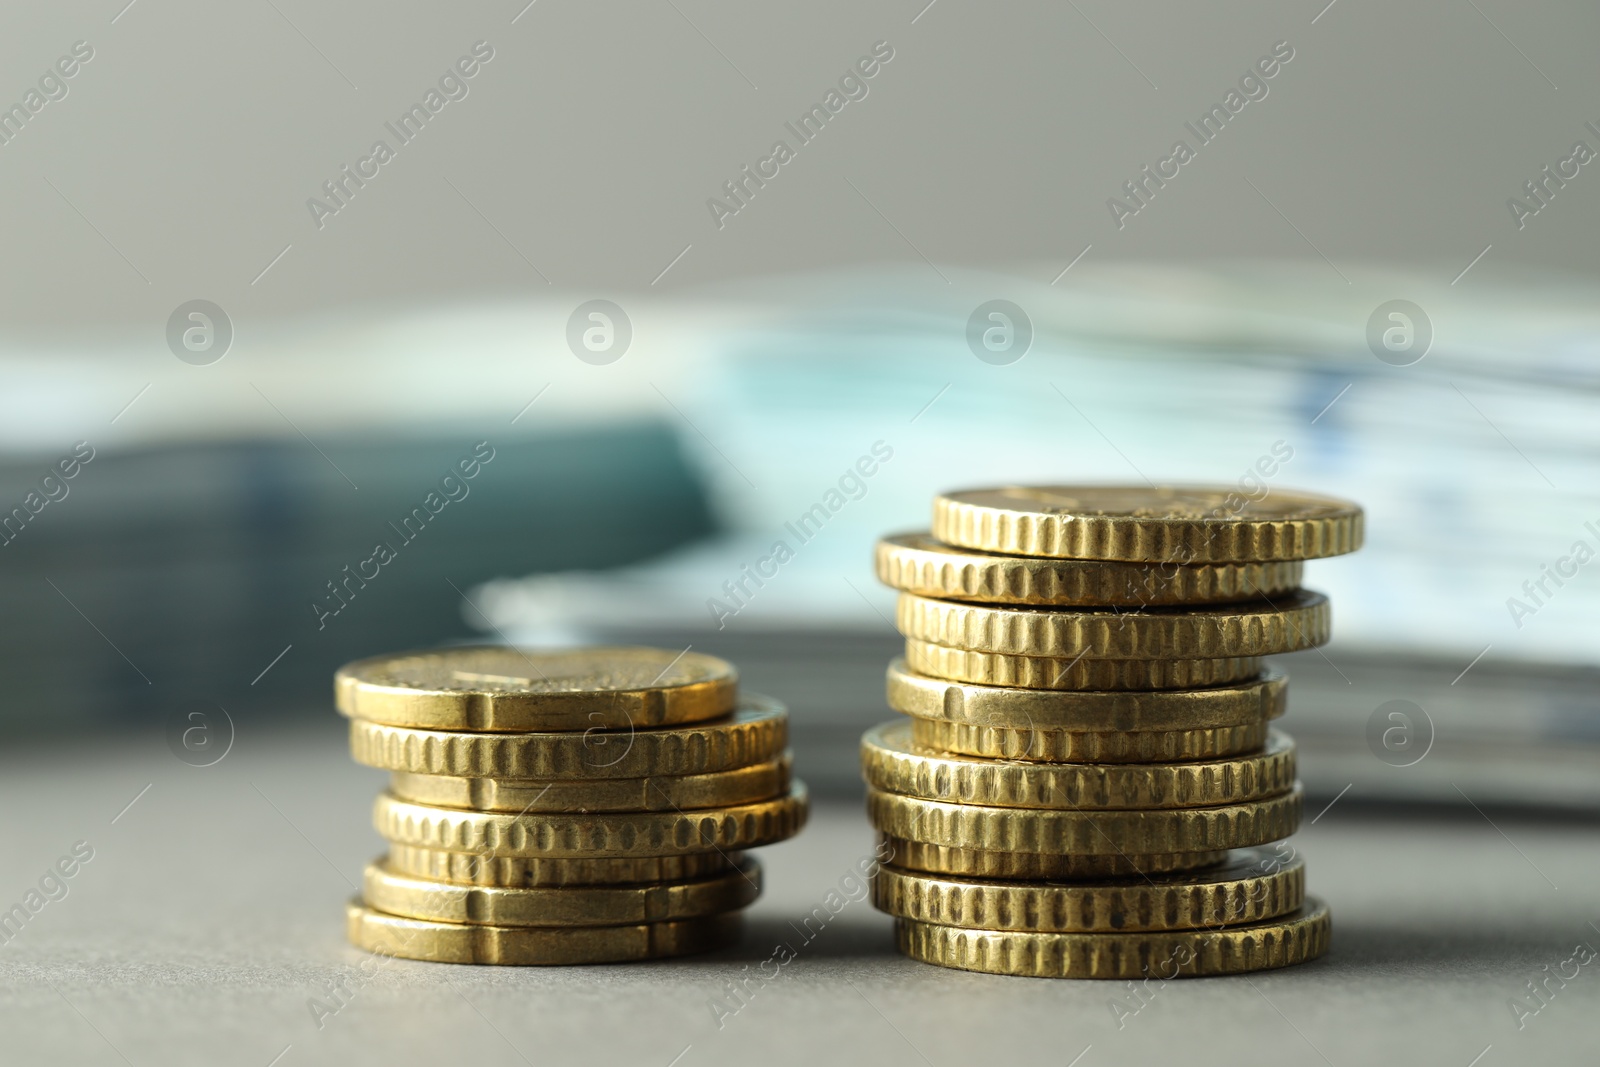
578, 807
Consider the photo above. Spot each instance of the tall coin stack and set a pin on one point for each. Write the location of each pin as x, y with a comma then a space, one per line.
584, 806
1085, 778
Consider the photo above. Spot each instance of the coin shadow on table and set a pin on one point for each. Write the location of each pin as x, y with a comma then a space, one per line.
844, 937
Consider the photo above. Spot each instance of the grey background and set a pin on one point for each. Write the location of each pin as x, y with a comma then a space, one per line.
593, 139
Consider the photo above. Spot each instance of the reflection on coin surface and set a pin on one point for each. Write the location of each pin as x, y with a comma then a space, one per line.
1175, 524
500, 688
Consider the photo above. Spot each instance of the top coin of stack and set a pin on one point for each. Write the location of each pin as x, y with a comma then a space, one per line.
579, 806
1089, 730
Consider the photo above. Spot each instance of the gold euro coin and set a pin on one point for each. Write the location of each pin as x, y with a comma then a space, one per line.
415, 898
1081, 672
1240, 704
1279, 942
1070, 746
1036, 866
507, 689
1171, 524
1088, 833
436, 942
917, 563
756, 734
1294, 621
891, 762
759, 781
1252, 886
472, 868
611, 834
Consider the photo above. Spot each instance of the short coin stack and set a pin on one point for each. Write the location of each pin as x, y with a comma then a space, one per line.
1086, 772
584, 806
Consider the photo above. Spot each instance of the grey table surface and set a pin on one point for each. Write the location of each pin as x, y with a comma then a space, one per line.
210, 919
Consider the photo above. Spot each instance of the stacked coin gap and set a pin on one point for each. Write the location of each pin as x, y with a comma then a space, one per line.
579, 806
1086, 784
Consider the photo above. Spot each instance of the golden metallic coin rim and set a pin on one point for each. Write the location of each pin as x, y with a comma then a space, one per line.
535, 872
984, 828
919, 563
1105, 746
1291, 623
892, 763
1087, 711
1028, 866
1304, 506
433, 942
410, 897
712, 694
1325, 526
1157, 902
1297, 938
761, 726
1079, 674
741, 785
601, 835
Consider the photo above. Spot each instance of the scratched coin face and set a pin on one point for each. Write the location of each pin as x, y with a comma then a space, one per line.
596, 690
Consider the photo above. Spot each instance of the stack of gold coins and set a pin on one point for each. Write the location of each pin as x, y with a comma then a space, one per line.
584, 806
1086, 775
